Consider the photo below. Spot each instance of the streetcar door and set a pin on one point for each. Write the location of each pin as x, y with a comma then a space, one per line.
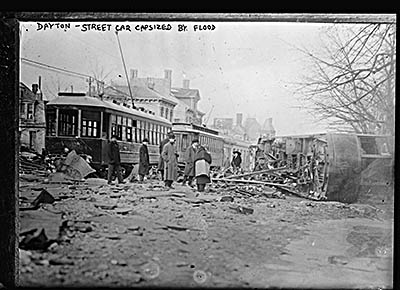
106, 126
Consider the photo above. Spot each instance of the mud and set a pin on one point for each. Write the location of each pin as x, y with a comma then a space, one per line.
142, 235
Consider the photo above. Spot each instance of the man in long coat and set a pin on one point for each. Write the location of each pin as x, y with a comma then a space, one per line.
189, 166
161, 161
114, 160
170, 157
144, 160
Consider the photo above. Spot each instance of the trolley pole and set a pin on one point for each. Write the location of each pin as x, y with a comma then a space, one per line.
126, 73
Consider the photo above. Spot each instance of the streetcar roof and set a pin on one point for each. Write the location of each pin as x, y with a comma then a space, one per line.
86, 101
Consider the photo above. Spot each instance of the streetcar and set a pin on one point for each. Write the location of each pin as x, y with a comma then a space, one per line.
331, 166
84, 124
186, 132
221, 147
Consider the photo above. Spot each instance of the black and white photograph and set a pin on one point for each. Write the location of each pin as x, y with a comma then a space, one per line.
206, 150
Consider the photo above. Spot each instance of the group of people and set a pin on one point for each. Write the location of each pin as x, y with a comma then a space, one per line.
197, 162
114, 160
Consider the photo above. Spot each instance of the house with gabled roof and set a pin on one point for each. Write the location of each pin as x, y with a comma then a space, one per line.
187, 105
32, 122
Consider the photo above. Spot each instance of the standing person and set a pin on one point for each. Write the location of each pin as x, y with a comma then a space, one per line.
114, 160
202, 167
170, 157
189, 166
144, 160
236, 161
161, 161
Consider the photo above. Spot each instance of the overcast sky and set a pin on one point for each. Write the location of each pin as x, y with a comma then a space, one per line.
246, 67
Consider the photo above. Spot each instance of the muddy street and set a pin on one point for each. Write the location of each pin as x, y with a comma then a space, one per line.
140, 234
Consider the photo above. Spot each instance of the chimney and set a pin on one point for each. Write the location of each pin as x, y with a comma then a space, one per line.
168, 74
134, 73
168, 77
186, 84
35, 88
150, 83
239, 119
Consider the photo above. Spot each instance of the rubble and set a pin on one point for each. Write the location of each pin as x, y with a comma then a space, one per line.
109, 233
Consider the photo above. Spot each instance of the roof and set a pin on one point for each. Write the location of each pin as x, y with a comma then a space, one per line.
142, 92
27, 97
185, 93
95, 102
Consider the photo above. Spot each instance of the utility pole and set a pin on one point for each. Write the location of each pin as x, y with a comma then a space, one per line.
90, 86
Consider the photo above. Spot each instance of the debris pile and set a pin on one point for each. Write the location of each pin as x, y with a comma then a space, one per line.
272, 182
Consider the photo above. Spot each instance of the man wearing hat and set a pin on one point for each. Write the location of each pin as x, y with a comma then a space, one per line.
114, 160
170, 156
161, 161
144, 160
189, 167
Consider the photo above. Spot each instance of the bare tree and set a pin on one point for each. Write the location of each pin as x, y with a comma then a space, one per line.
100, 75
352, 84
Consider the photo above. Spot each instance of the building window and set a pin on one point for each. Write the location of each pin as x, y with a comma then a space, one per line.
30, 111
166, 113
162, 112
22, 110
68, 121
171, 113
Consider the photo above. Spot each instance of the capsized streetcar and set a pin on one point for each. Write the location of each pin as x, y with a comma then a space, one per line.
329, 166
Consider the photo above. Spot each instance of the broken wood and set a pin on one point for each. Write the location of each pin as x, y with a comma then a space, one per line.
249, 181
257, 172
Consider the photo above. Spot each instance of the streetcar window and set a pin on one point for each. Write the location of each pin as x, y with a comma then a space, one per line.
129, 129
129, 134
68, 120
90, 124
116, 126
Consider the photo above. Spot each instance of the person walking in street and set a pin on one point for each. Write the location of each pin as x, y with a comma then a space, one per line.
170, 157
202, 167
161, 161
144, 160
236, 161
189, 166
114, 160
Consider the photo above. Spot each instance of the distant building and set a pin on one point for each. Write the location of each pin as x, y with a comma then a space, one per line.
186, 109
226, 127
268, 129
157, 95
143, 97
223, 125
32, 122
252, 128
238, 131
